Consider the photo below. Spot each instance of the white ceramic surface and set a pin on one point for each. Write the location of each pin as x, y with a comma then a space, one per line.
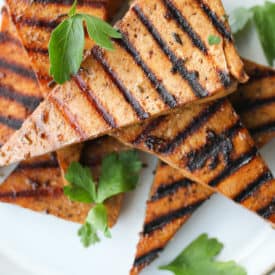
37, 244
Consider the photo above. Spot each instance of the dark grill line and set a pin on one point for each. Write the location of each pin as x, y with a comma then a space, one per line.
140, 112
17, 69
234, 166
88, 93
35, 22
48, 164
218, 24
152, 125
254, 186
69, 117
165, 190
258, 74
30, 102
37, 50
194, 125
215, 145
257, 103
147, 258
11, 122
161, 221
185, 26
32, 193
267, 211
167, 98
6, 37
268, 127
178, 64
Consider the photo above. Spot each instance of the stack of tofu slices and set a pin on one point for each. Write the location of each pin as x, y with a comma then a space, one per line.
163, 90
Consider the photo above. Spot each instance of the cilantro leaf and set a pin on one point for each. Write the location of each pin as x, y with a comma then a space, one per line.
264, 20
87, 235
67, 42
120, 174
239, 18
214, 40
82, 188
101, 32
66, 49
198, 258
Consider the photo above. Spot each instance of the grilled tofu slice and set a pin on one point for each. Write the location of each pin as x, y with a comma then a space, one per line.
210, 145
163, 62
172, 200
35, 20
37, 184
255, 102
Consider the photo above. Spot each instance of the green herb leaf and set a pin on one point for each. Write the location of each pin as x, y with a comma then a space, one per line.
88, 235
101, 32
239, 18
214, 40
264, 18
72, 11
82, 188
120, 174
198, 259
66, 49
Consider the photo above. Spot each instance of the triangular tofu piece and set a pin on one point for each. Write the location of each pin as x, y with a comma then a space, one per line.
173, 198
37, 184
164, 61
210, 145
255, 102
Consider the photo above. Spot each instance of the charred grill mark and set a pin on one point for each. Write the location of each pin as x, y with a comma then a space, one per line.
7, 38
95, 102
268, 127
167, 98
185, 26
37, 50
216, 145
178, 63
258, 74
34, 22
148, 129
17, 69
69, 117
11, 122
140, 112
147, 258
248, 105
194, 126
225, 78
165, 190
161, 221
218, 24
47, 164
46, 192
267, 211
233, 166
254, 186
30, 102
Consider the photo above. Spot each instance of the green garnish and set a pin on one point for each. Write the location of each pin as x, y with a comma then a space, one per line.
264, 19
214, 40
199, 258
67, 42
119, 175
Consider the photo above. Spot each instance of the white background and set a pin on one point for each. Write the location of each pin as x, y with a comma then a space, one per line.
36, 244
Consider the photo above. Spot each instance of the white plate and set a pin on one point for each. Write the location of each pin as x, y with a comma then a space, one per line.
36, 244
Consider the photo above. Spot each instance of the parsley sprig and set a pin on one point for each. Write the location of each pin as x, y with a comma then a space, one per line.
199, 258
67, 42
119, 175
263, 18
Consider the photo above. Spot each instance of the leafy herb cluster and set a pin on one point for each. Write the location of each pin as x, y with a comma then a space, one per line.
264, 19
67, 42
199, 258
119, 174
